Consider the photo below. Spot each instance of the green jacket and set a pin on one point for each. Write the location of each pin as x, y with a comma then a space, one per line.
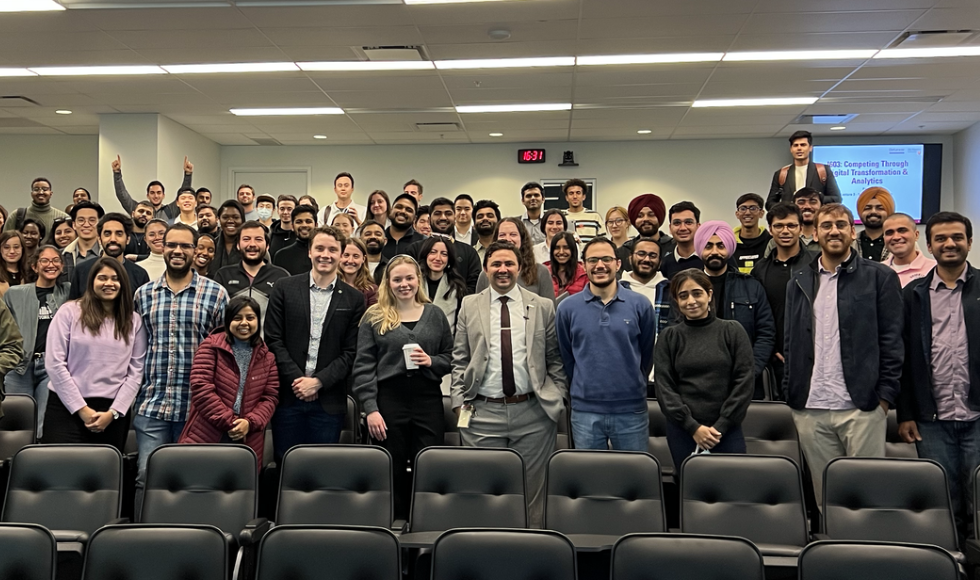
11, 345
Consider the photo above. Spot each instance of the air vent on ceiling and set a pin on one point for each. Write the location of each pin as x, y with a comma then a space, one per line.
437, 127
824, 119
389, 53
265, 140
935, 39
17, 101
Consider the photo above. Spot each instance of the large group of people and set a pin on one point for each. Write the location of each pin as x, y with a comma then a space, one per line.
195, 324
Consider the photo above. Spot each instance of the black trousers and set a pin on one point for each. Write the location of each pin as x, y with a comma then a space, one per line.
60, 426
412, 411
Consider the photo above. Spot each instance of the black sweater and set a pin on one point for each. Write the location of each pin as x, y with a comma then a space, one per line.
704, 373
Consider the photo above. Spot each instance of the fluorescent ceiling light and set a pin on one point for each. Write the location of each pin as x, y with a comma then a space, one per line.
366, 65
755, 102
319, 136
514, 108
644, 132
649, 58
98, 70
929, 52
800, 55
16, 72
286, 112
29, 5
244, 67
496, 134
63, 112
839, 128
505, 62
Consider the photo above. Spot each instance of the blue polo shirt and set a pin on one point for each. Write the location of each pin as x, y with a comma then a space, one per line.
607, 350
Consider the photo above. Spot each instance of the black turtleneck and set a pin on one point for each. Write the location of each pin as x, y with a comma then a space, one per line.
294, 258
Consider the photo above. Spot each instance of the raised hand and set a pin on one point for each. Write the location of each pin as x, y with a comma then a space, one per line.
188, 166
117, 165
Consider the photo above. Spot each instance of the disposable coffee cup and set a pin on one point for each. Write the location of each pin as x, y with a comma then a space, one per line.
407, 350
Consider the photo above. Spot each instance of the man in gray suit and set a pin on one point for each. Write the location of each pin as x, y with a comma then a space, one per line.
509, 384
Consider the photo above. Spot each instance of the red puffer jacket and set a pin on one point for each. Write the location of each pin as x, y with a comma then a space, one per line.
214, 386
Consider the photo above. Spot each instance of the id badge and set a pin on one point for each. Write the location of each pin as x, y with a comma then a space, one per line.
465, 414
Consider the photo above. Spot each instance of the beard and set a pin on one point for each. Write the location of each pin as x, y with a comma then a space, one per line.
113, 250
374, 247
715, 262
484, 230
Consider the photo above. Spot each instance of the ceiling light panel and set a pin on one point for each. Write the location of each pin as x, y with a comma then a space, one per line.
649, 58
247, 67
799, 55
287, 112
98, 70
523, 108
505, 63
366, 65
16, 72
767, 102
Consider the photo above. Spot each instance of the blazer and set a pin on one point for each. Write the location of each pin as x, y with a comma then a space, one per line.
287, 334
777, 193
544, 364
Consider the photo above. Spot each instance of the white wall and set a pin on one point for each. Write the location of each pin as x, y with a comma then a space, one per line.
174, 141
70, 161
966, 146
711, 173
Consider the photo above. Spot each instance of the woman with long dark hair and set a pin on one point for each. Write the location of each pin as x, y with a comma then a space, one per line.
553, 222
704, 372
534, 276
62, 233
445, 285
95, 354
14, 269
354, 270
567, 273
234, 382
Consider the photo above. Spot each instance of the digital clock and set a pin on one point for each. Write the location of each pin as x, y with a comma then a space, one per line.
530, 155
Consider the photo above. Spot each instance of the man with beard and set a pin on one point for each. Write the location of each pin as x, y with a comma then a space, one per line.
874, 205
644, 278
901, 241
203, 196
737, 296
373, 236
401, 235
774, 272
939, 405
85, 216
231, 216
179, 310
207, 221
801, 173
646, 213
282, 233
115, 230
809, 202
40, 208
532, 197
843, 347
442, 222
606, 336
486, 214
295, 258
685, 217
751, 239
251, 277
137, 248
246, 197
154, 192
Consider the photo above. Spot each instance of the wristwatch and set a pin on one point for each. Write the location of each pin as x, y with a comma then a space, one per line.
115, 414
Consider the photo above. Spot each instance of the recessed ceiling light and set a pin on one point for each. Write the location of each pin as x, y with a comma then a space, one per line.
366, 65
838, 128
644, 132
29, 5
800, 55
179, 69
514, 108
16, 72
929, 52
287, 112
63, 112
505, 62
496, 134
755, 102
98, 70
649, 58
319, 136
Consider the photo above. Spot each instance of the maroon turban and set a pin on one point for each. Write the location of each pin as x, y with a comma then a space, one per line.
651, 201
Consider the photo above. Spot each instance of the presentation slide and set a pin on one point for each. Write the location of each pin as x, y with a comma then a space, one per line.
897, 168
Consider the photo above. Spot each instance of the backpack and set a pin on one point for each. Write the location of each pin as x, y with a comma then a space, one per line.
19, 216
821, 173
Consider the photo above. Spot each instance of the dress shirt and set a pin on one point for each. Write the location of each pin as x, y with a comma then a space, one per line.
918, 268
493, 379
950, 357
463, 236
319, 304
828, 391
533, 228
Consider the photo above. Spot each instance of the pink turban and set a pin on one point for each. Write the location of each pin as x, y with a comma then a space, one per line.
714, 227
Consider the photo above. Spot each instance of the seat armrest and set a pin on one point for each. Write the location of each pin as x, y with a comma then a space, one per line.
63, 536
399, 525
253, 532
819, 537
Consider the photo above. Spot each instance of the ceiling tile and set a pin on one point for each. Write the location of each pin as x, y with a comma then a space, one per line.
191, 39
346, 36
835, 22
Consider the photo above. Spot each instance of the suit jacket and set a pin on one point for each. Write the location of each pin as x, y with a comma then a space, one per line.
471, 351
287, 334
830, 191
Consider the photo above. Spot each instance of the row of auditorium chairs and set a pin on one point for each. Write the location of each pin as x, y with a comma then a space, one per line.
594, 497
365, 553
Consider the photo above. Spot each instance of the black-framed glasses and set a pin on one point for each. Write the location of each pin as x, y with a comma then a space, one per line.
175, 245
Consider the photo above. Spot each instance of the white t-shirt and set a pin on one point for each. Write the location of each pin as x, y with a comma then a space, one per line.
801, 176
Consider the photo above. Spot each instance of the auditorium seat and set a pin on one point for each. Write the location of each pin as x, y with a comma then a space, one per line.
157, 552
756, 497
894, 446
335, 552
831, 560
496, 554
657, 444
27, 552
769, 430
688, 556
972, 547
18, 429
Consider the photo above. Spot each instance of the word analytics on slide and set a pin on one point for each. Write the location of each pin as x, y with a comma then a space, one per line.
897, 168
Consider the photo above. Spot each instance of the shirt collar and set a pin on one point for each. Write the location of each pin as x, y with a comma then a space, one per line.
329, 288
937, 281
589, 296
525, 218
514, 295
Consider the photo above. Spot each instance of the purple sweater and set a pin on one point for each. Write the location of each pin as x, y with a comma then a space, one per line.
83, 366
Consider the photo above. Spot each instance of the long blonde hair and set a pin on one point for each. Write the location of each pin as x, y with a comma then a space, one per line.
384, 314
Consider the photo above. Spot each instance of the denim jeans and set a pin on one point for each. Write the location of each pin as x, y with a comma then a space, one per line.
956, 446
302, 422
150, 434
681, 443
625, 431
33, 382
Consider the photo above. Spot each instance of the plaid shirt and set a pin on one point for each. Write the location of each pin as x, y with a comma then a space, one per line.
175, 325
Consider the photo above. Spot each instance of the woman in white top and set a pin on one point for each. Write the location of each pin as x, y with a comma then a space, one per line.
445, 286
552, 223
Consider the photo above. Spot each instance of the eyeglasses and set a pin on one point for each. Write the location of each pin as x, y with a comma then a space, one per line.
749, 209
175, 245
679, 223
781, 227
643, 255
41, 189
49, 261
615, 222
606, 260
827, 226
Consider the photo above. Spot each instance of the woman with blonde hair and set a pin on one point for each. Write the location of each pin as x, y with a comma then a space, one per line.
404, 348
354, 270
618, 225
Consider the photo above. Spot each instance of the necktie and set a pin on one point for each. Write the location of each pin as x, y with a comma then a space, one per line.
507, 351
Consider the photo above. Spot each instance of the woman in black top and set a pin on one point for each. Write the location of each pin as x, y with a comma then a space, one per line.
704, 373
445, 286
13, 270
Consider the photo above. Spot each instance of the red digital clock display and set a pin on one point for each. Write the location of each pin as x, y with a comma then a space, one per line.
530, 156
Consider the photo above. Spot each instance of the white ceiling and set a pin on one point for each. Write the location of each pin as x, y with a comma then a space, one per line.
611, 102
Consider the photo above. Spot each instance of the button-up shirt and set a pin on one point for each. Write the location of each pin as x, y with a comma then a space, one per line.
828, 391
319, 304
493, 379
918, 268
950, 359
175, 325
533, 228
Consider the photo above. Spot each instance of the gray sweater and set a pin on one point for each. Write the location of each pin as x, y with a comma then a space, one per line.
380, 358
704, 373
